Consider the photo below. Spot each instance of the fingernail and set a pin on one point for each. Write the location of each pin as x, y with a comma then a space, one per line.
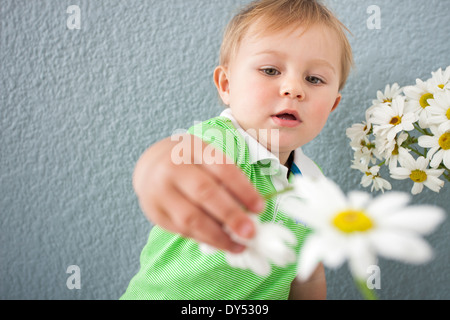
259, 206
237, 248
246, 229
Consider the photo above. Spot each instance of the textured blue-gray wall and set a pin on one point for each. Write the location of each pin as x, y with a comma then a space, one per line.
78, 107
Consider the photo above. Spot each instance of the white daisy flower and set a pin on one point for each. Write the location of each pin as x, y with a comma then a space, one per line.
439, 110
439, 145
358, 229
418, 98
418, 172
372, 177
389, 94
386, 97
364, 149
440, 80
357, 132
391, 150
271, 244
390, 120
366, 153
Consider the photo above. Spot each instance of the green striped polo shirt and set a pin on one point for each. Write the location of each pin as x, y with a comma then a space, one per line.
173, 267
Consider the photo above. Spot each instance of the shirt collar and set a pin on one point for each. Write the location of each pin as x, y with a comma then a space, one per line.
259, 153
256, 150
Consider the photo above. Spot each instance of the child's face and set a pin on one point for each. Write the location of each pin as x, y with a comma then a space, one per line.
287, 81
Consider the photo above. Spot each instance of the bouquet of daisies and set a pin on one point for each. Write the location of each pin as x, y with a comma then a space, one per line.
351, 228
408, 131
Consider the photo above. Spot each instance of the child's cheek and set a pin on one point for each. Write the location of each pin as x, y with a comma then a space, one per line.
262, 92
321, 111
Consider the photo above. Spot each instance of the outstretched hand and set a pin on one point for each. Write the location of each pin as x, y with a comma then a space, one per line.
196, 199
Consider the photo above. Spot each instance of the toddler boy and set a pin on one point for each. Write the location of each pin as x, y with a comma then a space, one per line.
282, 65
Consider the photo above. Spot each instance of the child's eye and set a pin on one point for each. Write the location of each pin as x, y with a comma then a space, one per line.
314, 80
270, 71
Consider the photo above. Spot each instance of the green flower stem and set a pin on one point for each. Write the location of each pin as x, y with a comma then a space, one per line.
277, 193
446, 173
417, 152
367, 293
422, 131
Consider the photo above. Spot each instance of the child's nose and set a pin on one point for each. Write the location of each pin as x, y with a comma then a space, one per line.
293, 95
293, 90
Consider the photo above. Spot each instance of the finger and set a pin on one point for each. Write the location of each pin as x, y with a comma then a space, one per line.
176, 215
205, 191
233, 179
155, 215
237, 184
183, 217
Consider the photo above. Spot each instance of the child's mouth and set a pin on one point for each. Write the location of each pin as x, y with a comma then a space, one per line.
286, 116
287, 119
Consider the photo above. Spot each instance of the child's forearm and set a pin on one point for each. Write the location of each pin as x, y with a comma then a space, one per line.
315, 288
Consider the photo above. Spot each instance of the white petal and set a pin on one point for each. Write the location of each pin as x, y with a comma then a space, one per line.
436, 173
361, 257
412, 92
392, 132
437, 159
428, 142
387, 203
358, 199
278, 232
282, 258
447, 159
272, 244
366, 181
206, 248
321, 196
336, 253
310, 256
332, 191
407, 160
431, 152
445, 126
249, 260
434, 183
301, 210
422, 163
417, 188
409, 118
423, 120
421, 219
402, 246
258, 264
400, 173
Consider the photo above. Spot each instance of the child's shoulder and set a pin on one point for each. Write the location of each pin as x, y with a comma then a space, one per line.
221, 133
213, 126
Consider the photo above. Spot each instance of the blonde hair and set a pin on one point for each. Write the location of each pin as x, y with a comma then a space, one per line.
277, 15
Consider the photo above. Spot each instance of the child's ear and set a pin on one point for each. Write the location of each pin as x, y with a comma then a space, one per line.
336, 102
222, 84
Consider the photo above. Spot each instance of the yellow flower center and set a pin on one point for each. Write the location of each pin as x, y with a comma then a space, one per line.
395, 120
448, 114
418, 176
350, 221
444, 141
424, 100
395, 151
387, 100
441, 86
